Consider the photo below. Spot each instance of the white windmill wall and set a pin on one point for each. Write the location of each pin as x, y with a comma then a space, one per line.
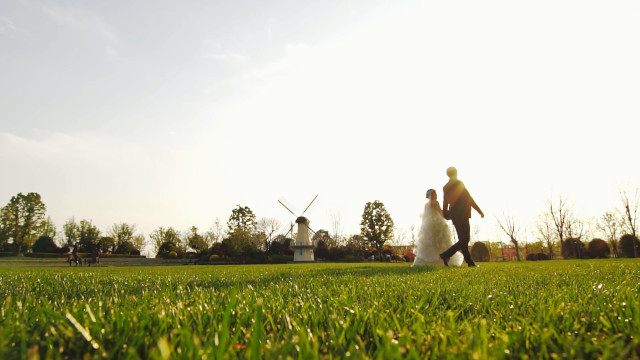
303, 249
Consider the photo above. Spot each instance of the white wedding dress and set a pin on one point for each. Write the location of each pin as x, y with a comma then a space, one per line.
434, 238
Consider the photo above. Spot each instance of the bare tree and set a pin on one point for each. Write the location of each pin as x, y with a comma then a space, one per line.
412, 228
268, 226
609, 226
215, 233
576, 228
629, 218
336, 226
475, 233
560, 214
512, 229
545, 231
399, 236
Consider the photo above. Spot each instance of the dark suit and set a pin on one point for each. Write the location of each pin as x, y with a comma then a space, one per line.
456, 206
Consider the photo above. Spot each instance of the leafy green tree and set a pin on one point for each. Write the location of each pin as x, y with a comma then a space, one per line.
376, 226
196, 241
243, 238
242, 219
106, 244
138, 241
322, 236
49, 228
71, 230
88, 235
22, 219
162, 236
122, 233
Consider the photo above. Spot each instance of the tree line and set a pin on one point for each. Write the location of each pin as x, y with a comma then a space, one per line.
24, 227
559, 231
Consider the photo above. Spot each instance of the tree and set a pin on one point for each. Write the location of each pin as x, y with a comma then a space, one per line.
336, 226
609, 226
242, 232
70, 229
573, 248
242, 219
162, 236
122, 233
215, 233
88, 236
49, 228
560, 213
512, 229
376, 226
544, 228
22, 219
268, 226
138, 241
106, 244
631, 207
400, 237
196, 241
322, 236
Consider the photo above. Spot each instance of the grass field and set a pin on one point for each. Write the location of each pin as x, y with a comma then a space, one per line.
566, 309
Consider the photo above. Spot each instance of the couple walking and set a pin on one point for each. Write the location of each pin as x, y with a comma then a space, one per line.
434, 241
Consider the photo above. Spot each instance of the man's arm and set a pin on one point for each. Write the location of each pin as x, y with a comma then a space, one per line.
445, 205
476, 207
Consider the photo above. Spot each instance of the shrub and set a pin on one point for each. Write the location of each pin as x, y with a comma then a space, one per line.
126, 247
44, 244
409, 256
573, 249
480, 252
598, 249
532, 257
542, 256
338, 253
214, 257
172, 255
322, 252
626, 245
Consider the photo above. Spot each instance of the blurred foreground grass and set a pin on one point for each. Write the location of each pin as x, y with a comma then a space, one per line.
567, 309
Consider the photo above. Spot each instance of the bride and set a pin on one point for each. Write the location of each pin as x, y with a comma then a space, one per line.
435, 235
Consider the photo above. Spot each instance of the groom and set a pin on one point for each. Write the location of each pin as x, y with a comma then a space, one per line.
456, 206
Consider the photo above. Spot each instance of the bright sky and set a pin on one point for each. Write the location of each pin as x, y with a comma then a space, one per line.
164, 113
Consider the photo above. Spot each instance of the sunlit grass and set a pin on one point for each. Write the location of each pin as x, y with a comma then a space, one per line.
576, 309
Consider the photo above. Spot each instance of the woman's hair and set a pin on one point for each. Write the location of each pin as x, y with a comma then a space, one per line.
429, 192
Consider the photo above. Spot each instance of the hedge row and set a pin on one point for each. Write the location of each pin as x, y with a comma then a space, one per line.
54, 255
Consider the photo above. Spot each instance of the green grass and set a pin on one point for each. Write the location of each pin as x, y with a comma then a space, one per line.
567, 309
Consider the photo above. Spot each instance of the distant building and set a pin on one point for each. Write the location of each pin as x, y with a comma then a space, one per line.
508, 253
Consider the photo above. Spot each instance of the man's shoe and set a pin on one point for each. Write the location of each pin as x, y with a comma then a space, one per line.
445, 260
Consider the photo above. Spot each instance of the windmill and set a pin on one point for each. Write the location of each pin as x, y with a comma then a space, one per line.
303, 247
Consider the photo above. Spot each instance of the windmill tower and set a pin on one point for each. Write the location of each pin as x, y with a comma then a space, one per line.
303, 247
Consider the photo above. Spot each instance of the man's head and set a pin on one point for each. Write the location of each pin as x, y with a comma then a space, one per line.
452, 173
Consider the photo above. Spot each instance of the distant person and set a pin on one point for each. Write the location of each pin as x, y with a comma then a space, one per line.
434, 236
456, 206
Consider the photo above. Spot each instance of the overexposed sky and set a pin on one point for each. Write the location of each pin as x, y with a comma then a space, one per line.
164, 113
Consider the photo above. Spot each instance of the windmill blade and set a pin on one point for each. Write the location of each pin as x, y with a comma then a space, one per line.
285, 206
289, 232
307, 208
313, 231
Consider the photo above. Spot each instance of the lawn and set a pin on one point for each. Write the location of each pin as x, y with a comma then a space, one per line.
567, 309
